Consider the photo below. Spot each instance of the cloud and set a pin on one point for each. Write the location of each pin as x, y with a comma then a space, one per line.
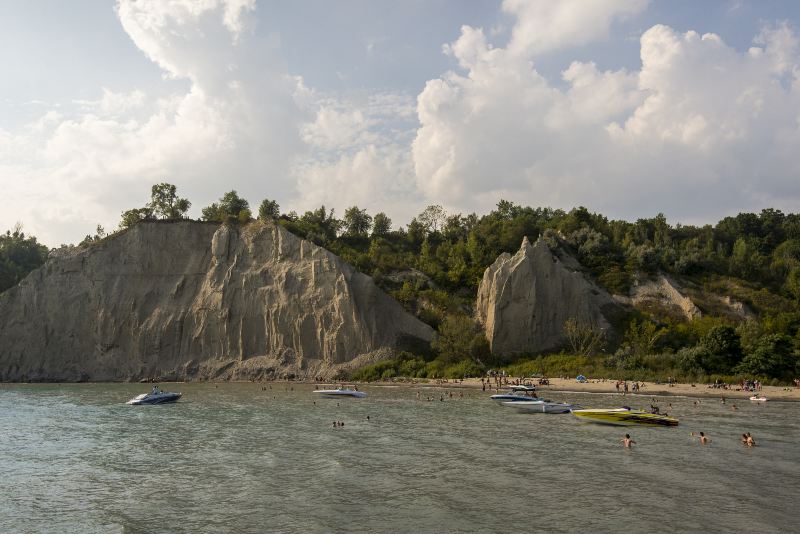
700, 131
543, 26
237, 125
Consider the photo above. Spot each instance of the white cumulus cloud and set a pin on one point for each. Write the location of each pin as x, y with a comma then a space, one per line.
700, 131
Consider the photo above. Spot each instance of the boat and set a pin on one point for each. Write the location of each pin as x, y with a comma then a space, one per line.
341, 391
154, 397
758, 398
518, 393
624, 416
542, 406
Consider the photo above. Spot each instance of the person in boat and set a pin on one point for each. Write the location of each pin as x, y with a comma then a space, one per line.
627, 441
155, 391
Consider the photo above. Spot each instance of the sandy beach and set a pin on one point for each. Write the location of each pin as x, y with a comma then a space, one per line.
777, 393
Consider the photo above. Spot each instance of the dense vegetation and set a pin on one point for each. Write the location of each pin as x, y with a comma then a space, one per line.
434, 264
19, 255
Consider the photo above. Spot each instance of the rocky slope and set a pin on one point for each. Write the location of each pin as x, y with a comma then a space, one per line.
196, 300
525, 299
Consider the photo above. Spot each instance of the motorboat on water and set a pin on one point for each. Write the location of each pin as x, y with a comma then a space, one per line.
156, 396
624, 416
542, 406
758, 398
341, 391
518, 393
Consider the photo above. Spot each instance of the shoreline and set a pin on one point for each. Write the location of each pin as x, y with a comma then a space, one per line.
560, 385
597, 386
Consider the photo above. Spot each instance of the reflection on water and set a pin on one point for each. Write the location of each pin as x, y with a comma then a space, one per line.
234, 458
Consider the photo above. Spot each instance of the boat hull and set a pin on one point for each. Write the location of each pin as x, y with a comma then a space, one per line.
625, 417
161, 398
340, 393
541, 407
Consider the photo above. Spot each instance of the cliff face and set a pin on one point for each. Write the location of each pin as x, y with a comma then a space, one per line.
195, 300
525, 299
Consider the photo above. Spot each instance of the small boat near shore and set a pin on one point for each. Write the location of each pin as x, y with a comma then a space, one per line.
518, 393
541, 406
154, 397
341, 392
758, 398
624, 416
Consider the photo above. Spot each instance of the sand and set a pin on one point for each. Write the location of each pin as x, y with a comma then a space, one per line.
648, 388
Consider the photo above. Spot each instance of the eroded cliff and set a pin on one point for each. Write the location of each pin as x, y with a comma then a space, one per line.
196, 300
524, 300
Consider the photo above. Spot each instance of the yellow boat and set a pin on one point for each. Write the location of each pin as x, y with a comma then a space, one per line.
624, 416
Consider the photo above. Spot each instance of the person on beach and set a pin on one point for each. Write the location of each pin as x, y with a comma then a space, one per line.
703, 438
627, 441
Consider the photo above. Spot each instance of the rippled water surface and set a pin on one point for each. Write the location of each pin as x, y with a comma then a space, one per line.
235, 458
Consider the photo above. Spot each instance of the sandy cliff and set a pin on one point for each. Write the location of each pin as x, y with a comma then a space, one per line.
525, 299
196, 300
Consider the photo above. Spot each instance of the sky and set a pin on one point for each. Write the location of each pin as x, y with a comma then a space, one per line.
627, 107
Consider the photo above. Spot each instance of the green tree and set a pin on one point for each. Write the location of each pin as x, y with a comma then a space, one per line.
268, 210
356, 222
19, 255
136, 215
772, 356
793, 283
643, 336
381, 225
459, 338
724, 349
165, 203
584, 338
229, 208
432, 218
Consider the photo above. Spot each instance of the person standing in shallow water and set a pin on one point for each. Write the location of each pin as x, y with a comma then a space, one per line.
627, 441
702, 437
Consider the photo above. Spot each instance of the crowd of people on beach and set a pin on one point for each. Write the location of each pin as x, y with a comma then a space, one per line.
622, 386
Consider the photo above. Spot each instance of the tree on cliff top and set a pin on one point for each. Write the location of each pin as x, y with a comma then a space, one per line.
269, 210
231, 207
19, 255
357, 222
164, 204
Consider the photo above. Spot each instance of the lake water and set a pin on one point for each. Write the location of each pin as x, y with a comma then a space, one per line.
234, 458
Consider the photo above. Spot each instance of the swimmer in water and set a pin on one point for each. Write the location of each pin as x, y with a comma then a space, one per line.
627, 441
702, 437
750, 441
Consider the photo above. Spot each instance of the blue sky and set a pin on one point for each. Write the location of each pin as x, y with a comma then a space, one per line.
392, 106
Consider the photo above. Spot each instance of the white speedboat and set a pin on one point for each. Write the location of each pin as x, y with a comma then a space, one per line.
518, 393
758, 398
341, 392
542, 406
154, 397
